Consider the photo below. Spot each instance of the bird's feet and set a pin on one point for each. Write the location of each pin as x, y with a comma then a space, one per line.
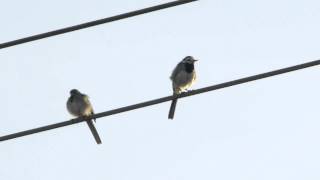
186, 91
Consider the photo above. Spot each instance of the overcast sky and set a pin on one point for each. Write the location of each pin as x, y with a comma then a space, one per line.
267, 129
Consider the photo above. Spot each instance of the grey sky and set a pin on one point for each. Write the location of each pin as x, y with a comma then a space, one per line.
266, 129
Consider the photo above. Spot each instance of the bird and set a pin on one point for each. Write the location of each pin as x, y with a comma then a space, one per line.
78, 105
183, 76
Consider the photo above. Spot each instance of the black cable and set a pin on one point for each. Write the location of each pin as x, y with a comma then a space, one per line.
163, 99
93, 23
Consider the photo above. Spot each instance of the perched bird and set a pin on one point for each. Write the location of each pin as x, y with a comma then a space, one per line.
182, 77
79, 105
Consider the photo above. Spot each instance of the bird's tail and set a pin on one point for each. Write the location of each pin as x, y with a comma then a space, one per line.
172, 108
94, 131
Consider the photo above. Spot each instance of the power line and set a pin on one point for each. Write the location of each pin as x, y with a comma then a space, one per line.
93, 23
163, 99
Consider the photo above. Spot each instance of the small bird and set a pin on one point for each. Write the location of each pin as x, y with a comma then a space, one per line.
182, 77
79, 105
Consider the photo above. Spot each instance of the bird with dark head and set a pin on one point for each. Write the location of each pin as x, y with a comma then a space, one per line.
182, 77
79, 105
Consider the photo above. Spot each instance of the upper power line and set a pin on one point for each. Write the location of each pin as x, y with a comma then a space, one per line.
93, 23
163, 99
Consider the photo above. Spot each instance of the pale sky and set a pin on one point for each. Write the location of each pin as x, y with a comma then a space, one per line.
267, 129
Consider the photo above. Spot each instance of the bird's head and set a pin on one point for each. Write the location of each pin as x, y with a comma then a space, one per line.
189, 60
74, 92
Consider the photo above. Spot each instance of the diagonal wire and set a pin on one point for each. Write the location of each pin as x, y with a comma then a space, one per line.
93, 23
163, 99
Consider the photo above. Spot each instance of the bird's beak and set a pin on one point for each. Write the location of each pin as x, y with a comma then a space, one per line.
195, 60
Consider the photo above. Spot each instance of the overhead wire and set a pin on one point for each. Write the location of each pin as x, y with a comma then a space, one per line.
163, 99
93, 23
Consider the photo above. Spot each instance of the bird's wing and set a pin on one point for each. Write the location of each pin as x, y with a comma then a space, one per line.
176, 71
